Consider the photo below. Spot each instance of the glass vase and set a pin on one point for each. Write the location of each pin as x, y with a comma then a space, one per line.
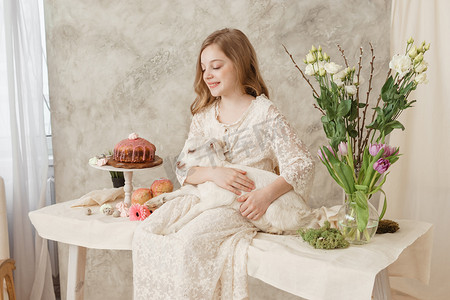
348, 220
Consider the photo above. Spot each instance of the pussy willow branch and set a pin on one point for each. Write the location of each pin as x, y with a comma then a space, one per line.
366, 139
357, 97
343, 55
295, 64
369, 89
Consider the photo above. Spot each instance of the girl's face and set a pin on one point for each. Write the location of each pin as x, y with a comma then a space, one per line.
219, 73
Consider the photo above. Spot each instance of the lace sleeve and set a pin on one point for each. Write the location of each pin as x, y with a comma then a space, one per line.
291, 155
196, 129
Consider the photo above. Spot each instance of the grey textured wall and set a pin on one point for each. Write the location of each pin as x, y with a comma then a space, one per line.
117, 67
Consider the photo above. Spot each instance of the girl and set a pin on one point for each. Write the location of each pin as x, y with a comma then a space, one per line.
206, 259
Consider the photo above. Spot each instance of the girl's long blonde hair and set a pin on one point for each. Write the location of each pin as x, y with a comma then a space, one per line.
236, 46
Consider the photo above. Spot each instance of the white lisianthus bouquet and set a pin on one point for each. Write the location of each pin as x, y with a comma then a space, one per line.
357, 157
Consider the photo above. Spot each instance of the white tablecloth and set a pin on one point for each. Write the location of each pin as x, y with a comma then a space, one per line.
285, 262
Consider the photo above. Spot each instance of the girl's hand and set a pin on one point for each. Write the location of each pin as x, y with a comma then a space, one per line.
255, 204
232, 179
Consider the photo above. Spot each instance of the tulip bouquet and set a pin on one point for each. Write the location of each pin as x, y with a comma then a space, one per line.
357, 156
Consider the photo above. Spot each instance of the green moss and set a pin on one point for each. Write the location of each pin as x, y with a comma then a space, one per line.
387, 226
324, 237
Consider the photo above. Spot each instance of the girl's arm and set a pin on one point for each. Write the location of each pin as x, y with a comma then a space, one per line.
295, 163
230, 179
256, 203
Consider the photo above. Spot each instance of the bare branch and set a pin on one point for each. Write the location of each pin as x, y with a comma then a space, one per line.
295, 64
357, 99
343, 55
323, 113
373, 116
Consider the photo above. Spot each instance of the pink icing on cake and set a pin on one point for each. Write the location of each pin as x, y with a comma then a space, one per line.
137, 150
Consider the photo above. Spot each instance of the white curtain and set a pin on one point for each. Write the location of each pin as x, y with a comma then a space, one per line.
24, 159
419, 183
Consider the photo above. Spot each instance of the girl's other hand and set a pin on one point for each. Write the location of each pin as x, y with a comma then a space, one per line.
254, 204
232, 179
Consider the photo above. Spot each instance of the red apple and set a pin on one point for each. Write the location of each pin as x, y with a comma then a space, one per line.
140, 196
161, 186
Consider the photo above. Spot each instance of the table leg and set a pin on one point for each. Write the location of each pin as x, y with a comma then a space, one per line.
381, 287
128, 188
75, 272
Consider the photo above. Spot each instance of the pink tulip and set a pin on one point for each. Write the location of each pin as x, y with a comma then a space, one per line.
389, 151
374, 149
342, 148
331, 150
381, 165
319, 153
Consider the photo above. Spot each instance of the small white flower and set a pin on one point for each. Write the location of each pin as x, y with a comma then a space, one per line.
309, 70
322, 71
421, 78
310, 58
422, 67
341, 75
413, 52
400, 64
350, 89
320, 64
133, 136
418, 58
332, 68
319, 56
338, 81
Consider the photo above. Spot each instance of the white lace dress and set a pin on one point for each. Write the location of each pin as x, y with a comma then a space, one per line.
207, 258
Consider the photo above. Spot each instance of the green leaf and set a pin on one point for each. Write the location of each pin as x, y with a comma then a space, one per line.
353, 133
370, 171
380, 185
340, 173
386, 90
330, 155
348, 175
344, 108
407, 88
362, 217
396, 124
373, 125
393, 159
361, 199
332, 173
353, 111
361, 105
383, 211
362, 188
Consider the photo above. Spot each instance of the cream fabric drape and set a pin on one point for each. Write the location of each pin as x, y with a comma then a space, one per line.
419, 183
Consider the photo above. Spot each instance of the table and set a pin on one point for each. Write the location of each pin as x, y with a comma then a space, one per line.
285, 262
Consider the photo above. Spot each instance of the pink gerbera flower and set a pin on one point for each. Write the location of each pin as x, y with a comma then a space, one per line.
138, 212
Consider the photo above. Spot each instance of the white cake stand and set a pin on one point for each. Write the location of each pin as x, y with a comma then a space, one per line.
128, 175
